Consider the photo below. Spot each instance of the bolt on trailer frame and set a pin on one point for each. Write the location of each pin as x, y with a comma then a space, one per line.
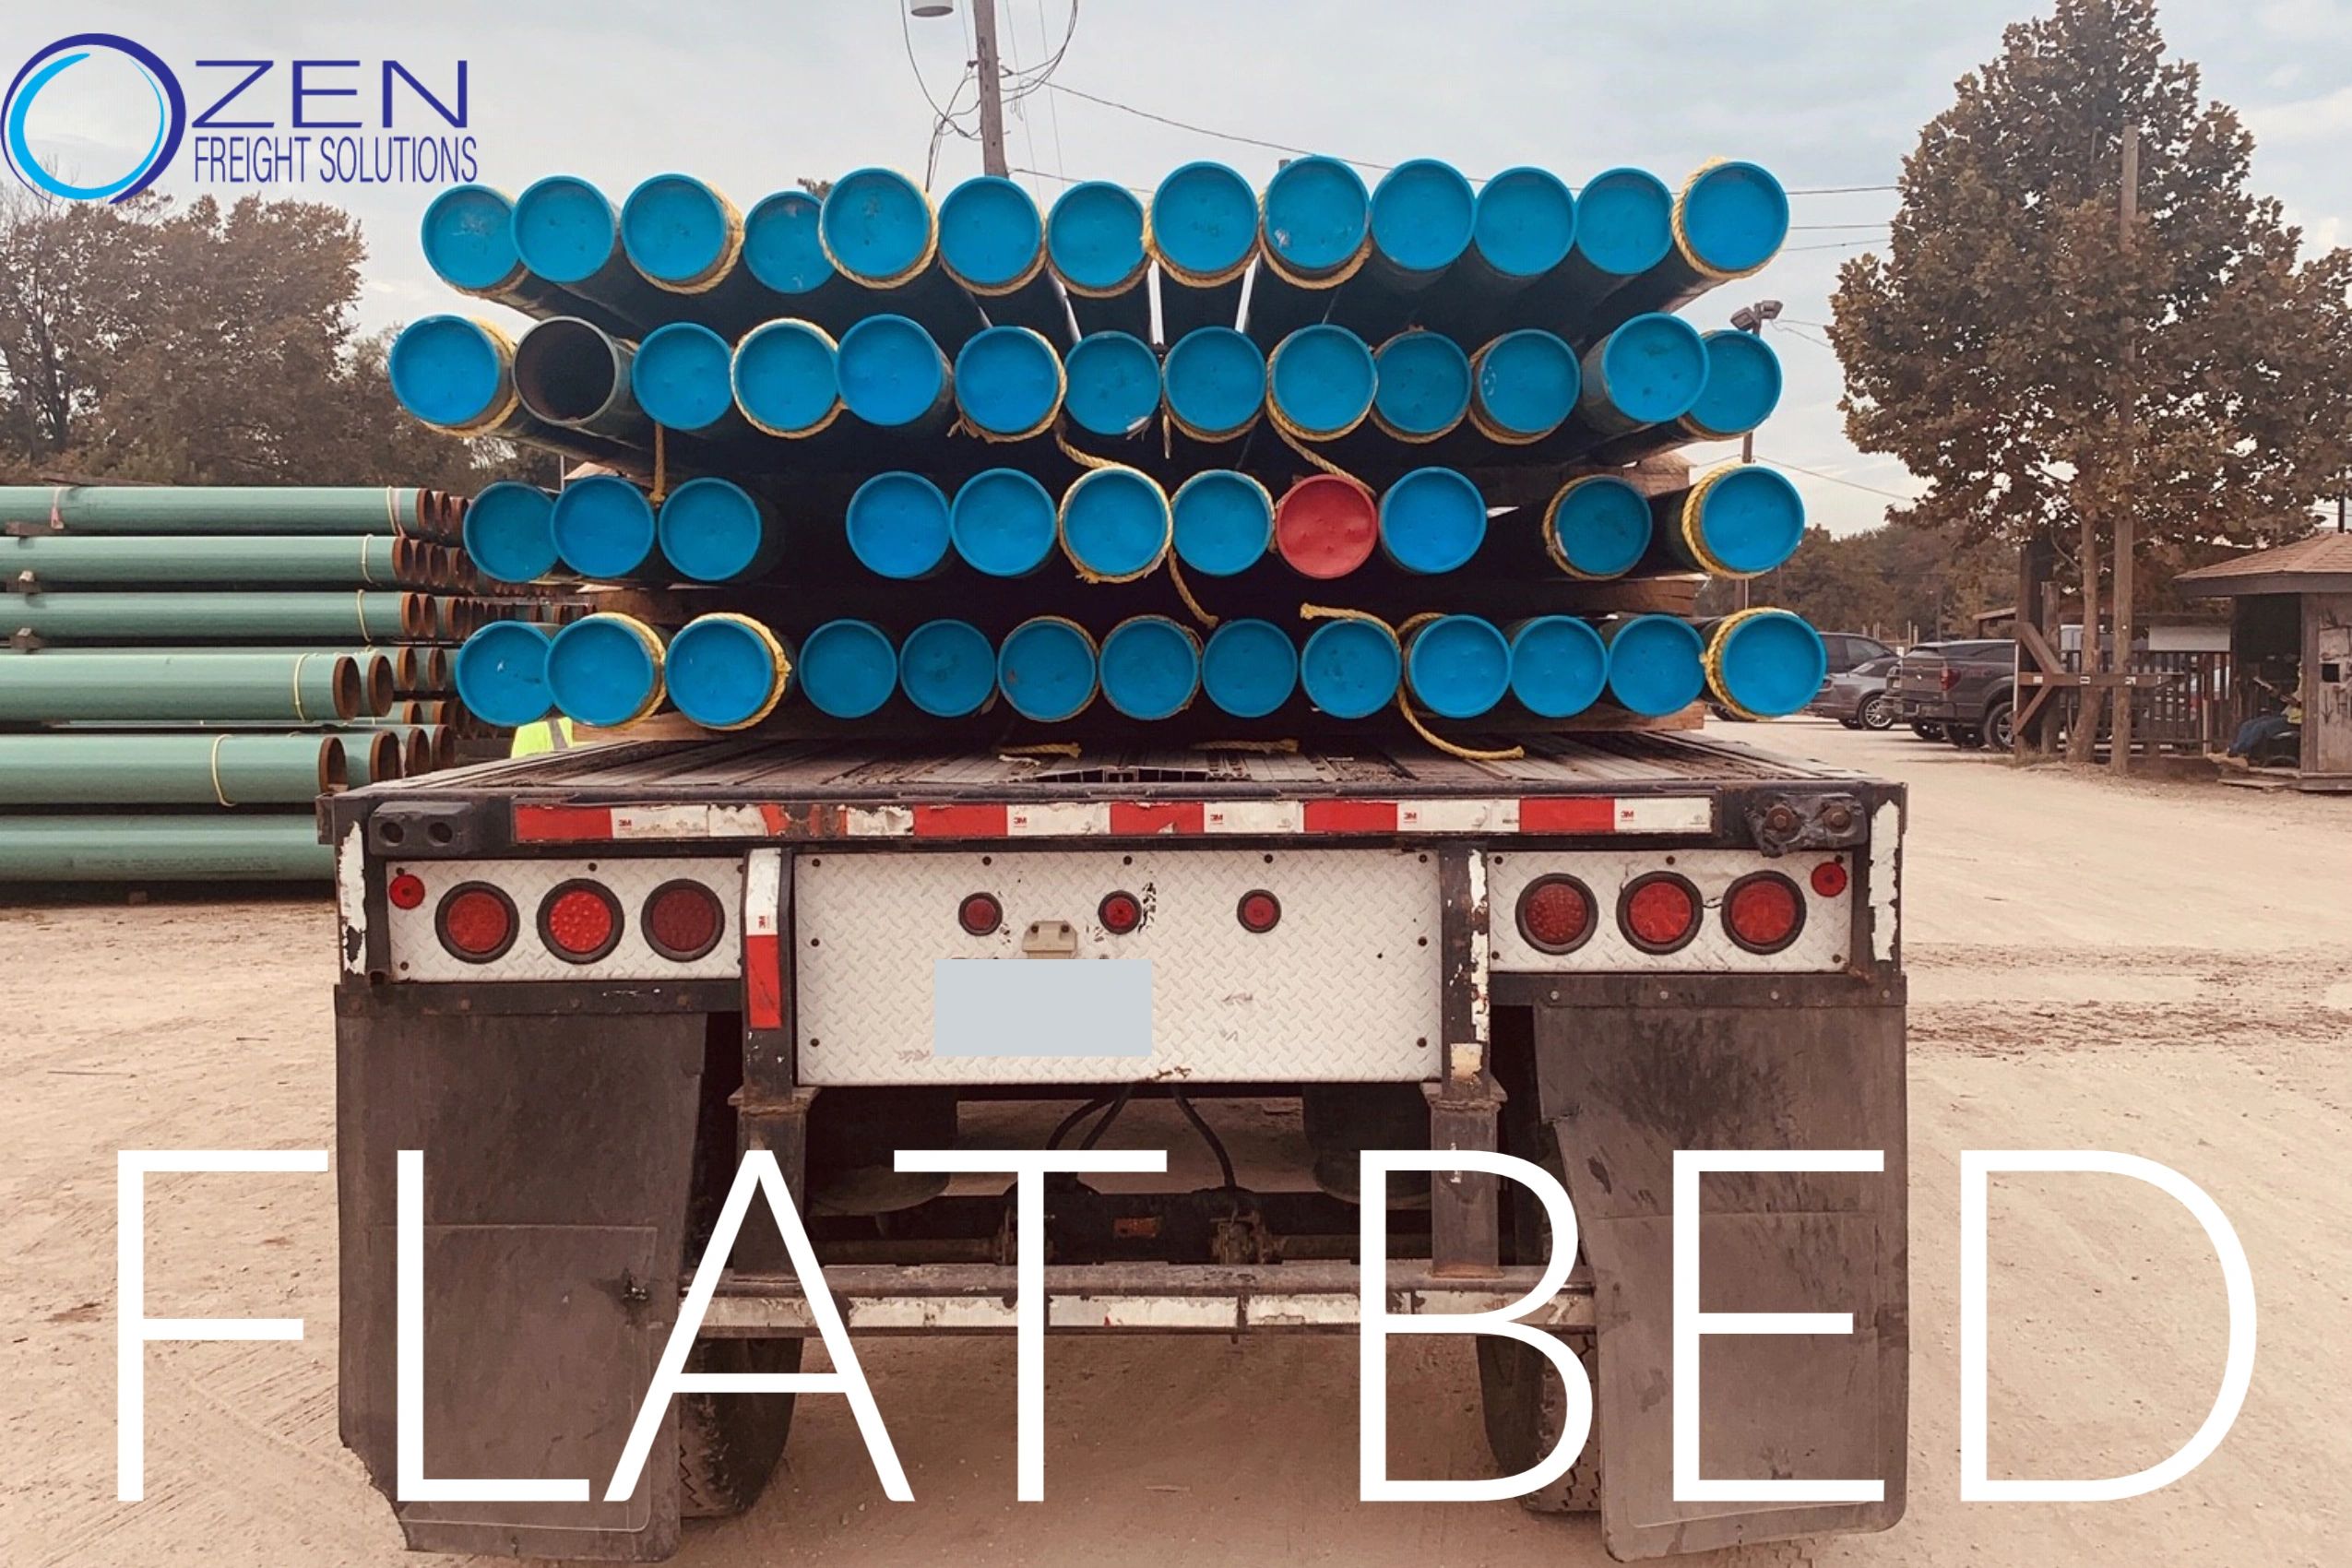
581, 1109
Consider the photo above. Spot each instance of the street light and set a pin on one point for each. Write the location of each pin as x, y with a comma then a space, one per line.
1751, 318
929, 8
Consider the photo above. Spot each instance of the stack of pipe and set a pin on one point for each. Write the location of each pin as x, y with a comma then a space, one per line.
1408, 451
185, 669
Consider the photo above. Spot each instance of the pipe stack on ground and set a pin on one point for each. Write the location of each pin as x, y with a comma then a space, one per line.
1312, 454
203, 662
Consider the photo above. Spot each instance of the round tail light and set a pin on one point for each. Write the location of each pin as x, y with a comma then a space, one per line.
579, 920
1119, 912
476, 923
683, 920
1556, 914
980, 913
1259, 911
1829, 879
1659, 912
406, 891
1763, 912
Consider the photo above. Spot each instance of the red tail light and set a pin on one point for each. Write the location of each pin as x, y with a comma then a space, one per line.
1659, 912
980, 914
1763, 912
683, 920
580, 920
406, 891
1556, 914
1120, 913
1259, 911
476, 923
1947, 678
1829, 879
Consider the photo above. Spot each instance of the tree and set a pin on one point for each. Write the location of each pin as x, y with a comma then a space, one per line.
2046, 369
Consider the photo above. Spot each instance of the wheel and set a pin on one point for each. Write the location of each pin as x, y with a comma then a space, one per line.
2001, 725
1962, 739
1523, 1401
1926, 729
1878, 712
1850, 724
728, 1443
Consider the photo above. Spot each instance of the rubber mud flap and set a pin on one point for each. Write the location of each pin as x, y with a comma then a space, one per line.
1631, 1069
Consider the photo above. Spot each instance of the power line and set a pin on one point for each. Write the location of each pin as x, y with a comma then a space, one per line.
1840, 245
1875, 224
906, 38
1038, 76
1206, 131
1850, 484
1842, 190
1052, 107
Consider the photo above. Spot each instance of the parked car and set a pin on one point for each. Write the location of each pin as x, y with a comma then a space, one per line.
1960, 691
1851, 650
1859, 697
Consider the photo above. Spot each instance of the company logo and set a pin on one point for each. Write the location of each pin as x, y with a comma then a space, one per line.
170, 106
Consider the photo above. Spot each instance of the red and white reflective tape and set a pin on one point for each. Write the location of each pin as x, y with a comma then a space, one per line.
1565, 815
763, 939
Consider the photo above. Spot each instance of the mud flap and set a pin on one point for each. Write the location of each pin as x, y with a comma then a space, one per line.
557, 1161
1631, 1069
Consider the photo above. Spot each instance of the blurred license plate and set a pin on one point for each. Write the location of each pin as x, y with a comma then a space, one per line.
1041, 1007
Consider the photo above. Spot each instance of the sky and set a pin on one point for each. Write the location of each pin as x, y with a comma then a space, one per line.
752, 94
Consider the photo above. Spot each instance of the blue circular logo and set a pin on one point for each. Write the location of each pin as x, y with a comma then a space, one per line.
170, 115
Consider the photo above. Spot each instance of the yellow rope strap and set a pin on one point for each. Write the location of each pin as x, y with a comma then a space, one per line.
660, 467
923, 262
1682, 239
1695, 515
217, 792
1170, 272
1279, 747
998, 291
1084, 459
653, 648
510, 401
1320, 461
1712, 660
1413, 719
715, 273
1061, 519
783, 667
1043, 748
300, 659
1331, 279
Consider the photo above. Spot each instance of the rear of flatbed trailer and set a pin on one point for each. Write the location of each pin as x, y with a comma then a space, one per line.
584, 983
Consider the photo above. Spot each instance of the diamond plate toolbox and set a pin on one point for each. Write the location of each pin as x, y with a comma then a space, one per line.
1344, 988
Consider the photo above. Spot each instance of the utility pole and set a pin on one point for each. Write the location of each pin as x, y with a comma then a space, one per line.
1750, 319
992, 89
2128, 209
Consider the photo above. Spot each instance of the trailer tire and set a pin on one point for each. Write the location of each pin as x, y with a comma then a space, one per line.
1522, 1398
729, 1444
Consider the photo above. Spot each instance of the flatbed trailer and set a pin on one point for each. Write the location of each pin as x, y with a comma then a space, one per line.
586, 982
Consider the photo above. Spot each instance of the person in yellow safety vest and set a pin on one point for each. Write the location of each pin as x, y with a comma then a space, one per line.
547, 735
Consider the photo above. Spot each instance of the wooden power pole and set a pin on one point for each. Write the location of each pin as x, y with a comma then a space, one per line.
992, 89
2128, 207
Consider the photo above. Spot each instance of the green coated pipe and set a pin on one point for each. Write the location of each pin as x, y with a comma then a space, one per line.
220, 508
79, 560
370, 759
167, 847
296, 687
224, 769
225, 617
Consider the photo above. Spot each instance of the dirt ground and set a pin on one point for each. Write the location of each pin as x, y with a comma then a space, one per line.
2159, 969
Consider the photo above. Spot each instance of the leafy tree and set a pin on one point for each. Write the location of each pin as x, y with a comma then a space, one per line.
2045, 369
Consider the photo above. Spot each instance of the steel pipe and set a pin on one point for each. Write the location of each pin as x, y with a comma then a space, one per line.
992, 241
570, 373
113, 846
218, 508
299, 687
469, 241
78, 561
224, 768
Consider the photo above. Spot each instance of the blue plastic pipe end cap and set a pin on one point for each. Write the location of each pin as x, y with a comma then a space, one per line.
1432, 520
1732, 218
1008, 381
509, 533
1115, 523
1750, 520
947, 668
604, 527
1046, 670
721, 672
502, 674
848, 668
1559, 666
1322, 378
1624, 221
785, 377
878, 225
1600, 525
1422, 383
681, 376
1423, 214
1223, 522
1001, 523
1316, 215
1249, 668
1114, 384
1215, 382
1652, 368
469, 238
1657, 665
677, 231
898, 526
713, 532
1460, 666
988, 232
1528, 382
1742, 385
448, 371
784, 243
1350, 668
1525, 222
599, 671
1150, 667
891, 371
1095, 236
565, 229
1204, 219
1770, 663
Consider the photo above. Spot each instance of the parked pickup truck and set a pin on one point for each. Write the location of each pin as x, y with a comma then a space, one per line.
1960, 691
584, 984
